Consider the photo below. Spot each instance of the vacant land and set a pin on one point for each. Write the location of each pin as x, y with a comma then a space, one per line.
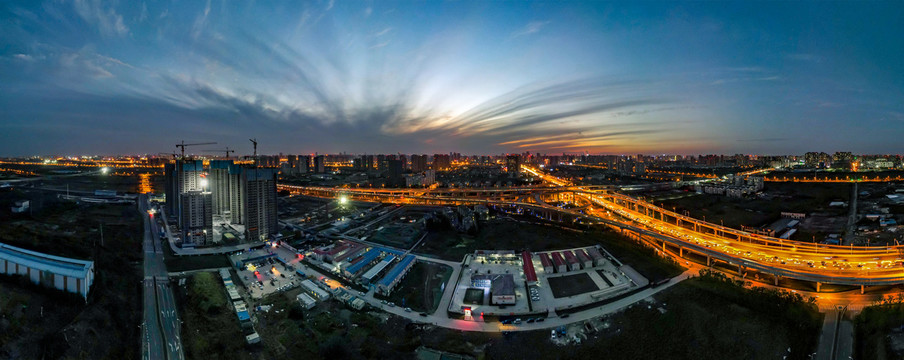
708, 317
781, 197
640, 257
102, 328
502, 234
512, 234
570, 285
421, 289
329, 331
878, 331
210, 327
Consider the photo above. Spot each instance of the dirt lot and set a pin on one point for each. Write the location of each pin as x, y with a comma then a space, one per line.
421, 288
565, 286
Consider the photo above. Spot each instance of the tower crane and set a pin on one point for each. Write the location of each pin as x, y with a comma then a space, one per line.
183, 145
254, 141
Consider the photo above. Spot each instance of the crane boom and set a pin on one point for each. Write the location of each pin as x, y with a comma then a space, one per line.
227, 151
183, 145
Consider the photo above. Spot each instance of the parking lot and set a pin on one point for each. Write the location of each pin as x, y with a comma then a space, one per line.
268, 274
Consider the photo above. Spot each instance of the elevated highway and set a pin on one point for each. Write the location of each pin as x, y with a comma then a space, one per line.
673, 232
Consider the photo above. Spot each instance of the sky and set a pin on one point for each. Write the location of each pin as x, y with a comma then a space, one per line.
476, 77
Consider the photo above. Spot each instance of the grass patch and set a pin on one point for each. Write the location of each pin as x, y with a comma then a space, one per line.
875, 326
102, 328
706, 317
211, 329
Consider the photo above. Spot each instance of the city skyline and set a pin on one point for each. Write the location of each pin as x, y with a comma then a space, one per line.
768, 78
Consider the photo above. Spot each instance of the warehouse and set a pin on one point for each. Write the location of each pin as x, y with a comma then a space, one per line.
308, 287
559, 262
375, 271
573, 263
596, 256
306, 301
52, 271
586, 261
368, 258
530, 274
547, 264
395, 275
501, 287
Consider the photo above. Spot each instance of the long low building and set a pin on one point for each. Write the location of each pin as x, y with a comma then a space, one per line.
360, 263
375, 271
61, 273
395, 276
530, 274
308, 287
557, 259
585, 259
547, 263
596, 256
573, 263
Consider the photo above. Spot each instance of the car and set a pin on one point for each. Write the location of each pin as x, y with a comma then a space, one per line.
282, 275
517, 321
564, 316
530, 320
391, 304
506, 322
407, 309
552, 334
541, 319
423, 314
362, 293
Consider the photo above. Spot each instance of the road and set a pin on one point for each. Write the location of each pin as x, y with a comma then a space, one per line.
161, 319
171, 240
852, 217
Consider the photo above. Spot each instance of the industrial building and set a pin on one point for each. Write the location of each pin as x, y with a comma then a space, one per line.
595, 255
586, 261
306, 301
573, 264
530, 274
548, 268
360, 263
395, 276
308, 287
375, 271
52, 271
559, 263
501, 287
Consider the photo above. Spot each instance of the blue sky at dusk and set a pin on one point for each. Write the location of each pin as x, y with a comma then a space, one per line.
83, 77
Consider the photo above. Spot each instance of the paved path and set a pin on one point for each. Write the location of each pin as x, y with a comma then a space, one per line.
162, 326
852, 217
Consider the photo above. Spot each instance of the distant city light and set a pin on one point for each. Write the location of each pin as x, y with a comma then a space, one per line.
204, 183
343, 199
104, 170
